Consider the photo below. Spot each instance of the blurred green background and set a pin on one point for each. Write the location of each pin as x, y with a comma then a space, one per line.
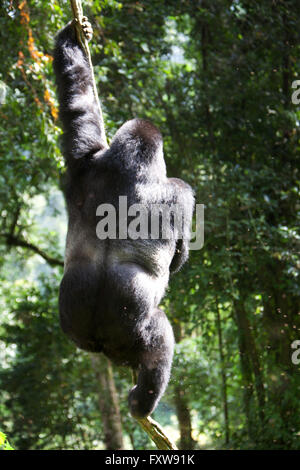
216, 77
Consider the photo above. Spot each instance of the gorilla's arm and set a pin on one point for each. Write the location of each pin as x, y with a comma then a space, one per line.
180, 256
185, 200
78, 108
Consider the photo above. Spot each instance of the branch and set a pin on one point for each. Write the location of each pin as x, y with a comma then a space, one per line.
11, 240
156, 433
151, 427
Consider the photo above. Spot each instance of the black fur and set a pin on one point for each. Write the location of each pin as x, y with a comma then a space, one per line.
111, 289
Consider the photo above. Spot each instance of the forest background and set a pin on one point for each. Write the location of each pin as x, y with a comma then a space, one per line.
218, 79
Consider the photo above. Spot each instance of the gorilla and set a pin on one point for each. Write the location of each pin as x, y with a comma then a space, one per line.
112, 286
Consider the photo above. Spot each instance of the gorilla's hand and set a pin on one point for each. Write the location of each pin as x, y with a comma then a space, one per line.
86, 28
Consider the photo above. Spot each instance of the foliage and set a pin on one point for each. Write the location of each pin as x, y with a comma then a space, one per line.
4, 444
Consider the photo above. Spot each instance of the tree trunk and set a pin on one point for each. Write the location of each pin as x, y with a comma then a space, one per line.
108, 403
184, 420
223, 373
250, 350
181, 404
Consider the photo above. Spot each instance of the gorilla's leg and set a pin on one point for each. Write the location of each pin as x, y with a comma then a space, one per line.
155, 359
77, 303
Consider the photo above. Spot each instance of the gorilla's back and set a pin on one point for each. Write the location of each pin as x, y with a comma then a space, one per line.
135, 271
